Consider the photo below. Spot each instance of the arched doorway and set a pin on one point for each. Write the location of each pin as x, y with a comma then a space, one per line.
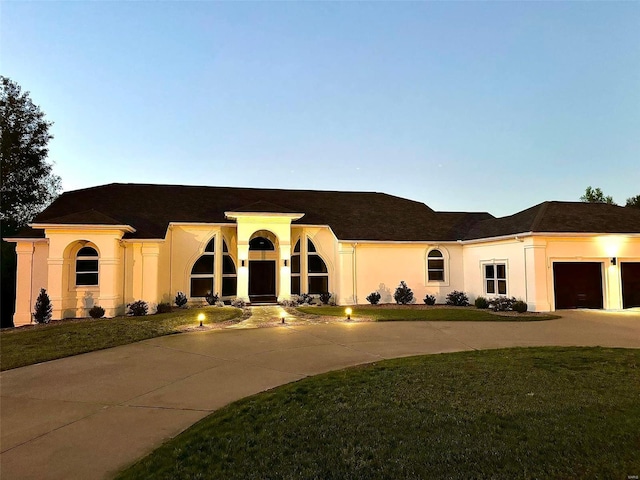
263, 257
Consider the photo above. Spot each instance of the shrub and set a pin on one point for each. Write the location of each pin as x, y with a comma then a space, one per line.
138, 308
325, 298
520, 306
163, 307
430, 300
403, 294
502, 304
43, 308
305, 298
289, 303
238, 303
457, 299
212, 298
373, 298
481, 303
181, 299
96, 311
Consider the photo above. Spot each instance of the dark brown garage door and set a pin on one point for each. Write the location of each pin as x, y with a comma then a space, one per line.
630, 273
578, 284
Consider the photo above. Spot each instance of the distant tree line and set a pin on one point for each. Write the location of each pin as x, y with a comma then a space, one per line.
595, 195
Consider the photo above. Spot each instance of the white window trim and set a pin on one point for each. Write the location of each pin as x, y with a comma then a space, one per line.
495, 278
75, 267
205, 275
447, 269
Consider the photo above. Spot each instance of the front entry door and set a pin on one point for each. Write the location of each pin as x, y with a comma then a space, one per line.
262, 278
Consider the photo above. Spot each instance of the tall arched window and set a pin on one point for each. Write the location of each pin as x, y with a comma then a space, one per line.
87, 267
295, 269
202, 273
318, 274
229, 275
435, 266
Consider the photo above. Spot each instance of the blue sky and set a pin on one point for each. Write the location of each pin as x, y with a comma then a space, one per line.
473, 106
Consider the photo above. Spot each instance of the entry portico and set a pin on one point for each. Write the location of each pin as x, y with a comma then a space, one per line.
275, 227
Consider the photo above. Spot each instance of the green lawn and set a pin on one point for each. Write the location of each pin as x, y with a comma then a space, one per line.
39, 343
381, 313
502, 414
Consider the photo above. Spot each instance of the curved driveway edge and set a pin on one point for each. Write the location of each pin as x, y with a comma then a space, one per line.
91, 415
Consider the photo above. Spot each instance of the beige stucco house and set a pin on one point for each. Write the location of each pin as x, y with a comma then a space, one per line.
113, 244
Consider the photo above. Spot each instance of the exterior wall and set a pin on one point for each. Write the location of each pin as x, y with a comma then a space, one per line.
530, 265
511, 252
370, 267
31, 277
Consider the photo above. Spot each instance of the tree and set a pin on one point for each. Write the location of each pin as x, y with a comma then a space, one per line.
42, 308
595, 195
403, 294
633, 202
28, 183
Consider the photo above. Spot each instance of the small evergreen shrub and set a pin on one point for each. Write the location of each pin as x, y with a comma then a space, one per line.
43, 308
238, 303
325, 298
373, 298
429, 300
457, 299
96, 312
306, 298
520, 306
481, 303
502, 304
181, 299
212, 298
139, 308
403, 294
163, 307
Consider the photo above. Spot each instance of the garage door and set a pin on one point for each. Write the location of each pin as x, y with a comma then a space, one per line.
577, 284
630, 273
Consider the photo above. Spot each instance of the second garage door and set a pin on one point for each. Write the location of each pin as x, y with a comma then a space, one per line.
630, 273
578, 284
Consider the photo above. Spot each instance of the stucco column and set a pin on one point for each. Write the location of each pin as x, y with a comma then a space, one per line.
613, 294
284, 292
24, 300
111, 278
243, 271
536, 273
150, 256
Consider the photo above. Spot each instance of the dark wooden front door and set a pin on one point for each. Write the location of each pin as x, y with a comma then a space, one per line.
630, 273
262, 278
578, 284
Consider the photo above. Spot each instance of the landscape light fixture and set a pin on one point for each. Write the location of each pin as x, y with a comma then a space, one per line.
201, 318
614, 261
348, 311
283, 320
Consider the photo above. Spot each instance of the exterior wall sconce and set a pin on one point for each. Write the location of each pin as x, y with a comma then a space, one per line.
242, 263
614, 261
286, 262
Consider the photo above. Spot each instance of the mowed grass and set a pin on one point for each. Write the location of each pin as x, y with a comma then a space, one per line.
502, 414
382, 313
39, 343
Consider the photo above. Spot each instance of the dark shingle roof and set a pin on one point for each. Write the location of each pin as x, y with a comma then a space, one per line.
562, 217
351, 215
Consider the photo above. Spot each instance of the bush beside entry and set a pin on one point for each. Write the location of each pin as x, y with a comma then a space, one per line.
373, 298
96, 311
138, 308
403, 294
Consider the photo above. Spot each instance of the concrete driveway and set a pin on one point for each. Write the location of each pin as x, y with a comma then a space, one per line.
90, 416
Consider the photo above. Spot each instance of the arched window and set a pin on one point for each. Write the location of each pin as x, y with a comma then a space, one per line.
435, 266
87, 267
202, 273
229, 275
261, 243
318, 274
295, 269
